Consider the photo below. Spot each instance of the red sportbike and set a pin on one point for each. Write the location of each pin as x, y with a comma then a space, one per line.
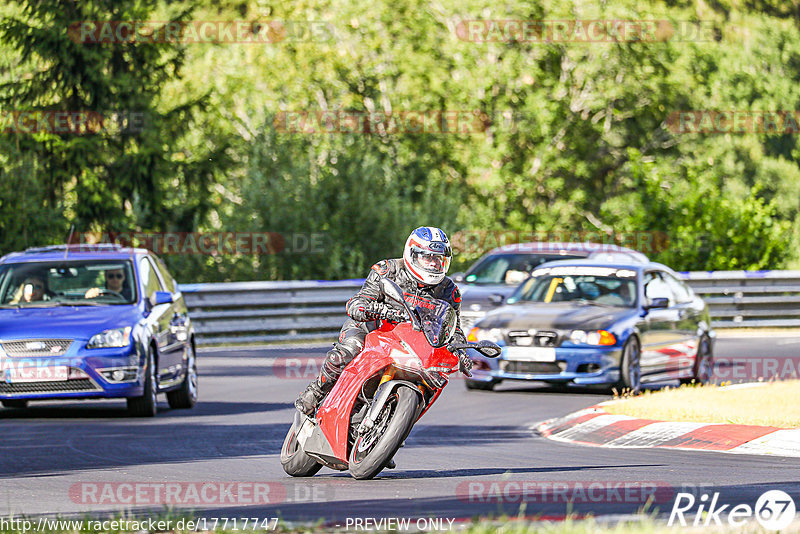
371, 409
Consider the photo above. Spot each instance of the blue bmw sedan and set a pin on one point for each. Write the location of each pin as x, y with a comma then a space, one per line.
581, 322
96, 321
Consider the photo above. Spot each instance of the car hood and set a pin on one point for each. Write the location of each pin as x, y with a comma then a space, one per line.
562, 316
74, 322
476, 297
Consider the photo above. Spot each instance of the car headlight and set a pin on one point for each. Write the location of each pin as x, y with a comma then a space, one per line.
490, 334
595, 337
113, 338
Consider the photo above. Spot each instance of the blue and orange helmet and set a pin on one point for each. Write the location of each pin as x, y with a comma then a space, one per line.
427, 255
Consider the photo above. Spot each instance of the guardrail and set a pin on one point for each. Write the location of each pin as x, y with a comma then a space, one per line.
755, 299
263, 312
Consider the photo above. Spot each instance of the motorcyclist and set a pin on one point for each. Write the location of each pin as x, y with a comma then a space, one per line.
420, 274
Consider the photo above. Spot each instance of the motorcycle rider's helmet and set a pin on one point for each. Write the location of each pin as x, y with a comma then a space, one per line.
427, 255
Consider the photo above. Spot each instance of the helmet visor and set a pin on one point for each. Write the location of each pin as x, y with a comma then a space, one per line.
428, 261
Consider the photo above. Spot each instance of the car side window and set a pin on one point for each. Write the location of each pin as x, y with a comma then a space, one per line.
655, 287
165, 276
682, 293
149, 278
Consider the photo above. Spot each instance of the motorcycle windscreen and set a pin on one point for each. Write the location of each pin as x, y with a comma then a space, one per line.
438, 322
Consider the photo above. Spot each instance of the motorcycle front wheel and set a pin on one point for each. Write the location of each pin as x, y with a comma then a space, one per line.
294, 460
372, 451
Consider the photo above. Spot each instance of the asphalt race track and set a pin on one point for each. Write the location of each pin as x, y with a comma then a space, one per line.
472, 454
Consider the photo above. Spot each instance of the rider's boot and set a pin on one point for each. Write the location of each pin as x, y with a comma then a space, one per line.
309, 399
332, 367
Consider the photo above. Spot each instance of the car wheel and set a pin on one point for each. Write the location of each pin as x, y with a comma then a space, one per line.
484, 386
186, 396
703, 367
146, 405
630, 370
15, 403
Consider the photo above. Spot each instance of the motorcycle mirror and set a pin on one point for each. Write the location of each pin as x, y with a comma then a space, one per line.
488, 349
485, 347
392, 290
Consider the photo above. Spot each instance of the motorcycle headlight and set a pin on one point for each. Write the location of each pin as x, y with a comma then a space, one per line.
113, 338
489, 334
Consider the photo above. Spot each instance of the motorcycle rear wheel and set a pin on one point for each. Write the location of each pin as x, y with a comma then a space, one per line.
294, 460
367, 461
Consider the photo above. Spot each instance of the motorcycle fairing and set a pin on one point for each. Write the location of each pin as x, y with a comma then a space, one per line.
399, 345
313, 442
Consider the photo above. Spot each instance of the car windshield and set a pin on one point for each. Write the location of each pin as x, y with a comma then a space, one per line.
510, 268
585, 285
438, 320
70, 283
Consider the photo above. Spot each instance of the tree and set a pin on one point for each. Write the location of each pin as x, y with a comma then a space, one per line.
126, 167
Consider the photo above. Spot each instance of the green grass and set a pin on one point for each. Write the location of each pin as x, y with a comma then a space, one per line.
769, 404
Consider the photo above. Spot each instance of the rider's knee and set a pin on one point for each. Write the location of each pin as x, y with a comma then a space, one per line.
342, 353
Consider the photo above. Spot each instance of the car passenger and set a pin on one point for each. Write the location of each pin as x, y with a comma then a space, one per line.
620, 296
32, 289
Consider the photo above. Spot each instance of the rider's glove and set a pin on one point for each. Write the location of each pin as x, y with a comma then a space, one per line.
360, 314
378, 310
395, 315
464, 363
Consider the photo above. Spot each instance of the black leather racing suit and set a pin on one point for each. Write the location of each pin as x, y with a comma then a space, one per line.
356, 328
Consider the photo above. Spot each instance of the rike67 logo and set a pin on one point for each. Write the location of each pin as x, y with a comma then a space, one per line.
774, 510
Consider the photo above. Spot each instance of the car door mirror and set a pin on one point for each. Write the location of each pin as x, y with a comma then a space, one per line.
657, 303
162, 297
496, 299
457, 277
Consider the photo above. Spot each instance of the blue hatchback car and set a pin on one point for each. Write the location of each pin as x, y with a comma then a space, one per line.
583, 322
96, 321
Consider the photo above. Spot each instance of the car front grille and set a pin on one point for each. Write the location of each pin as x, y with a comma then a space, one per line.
26, 348
545, 338
532, 338
539, 368
65, 386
